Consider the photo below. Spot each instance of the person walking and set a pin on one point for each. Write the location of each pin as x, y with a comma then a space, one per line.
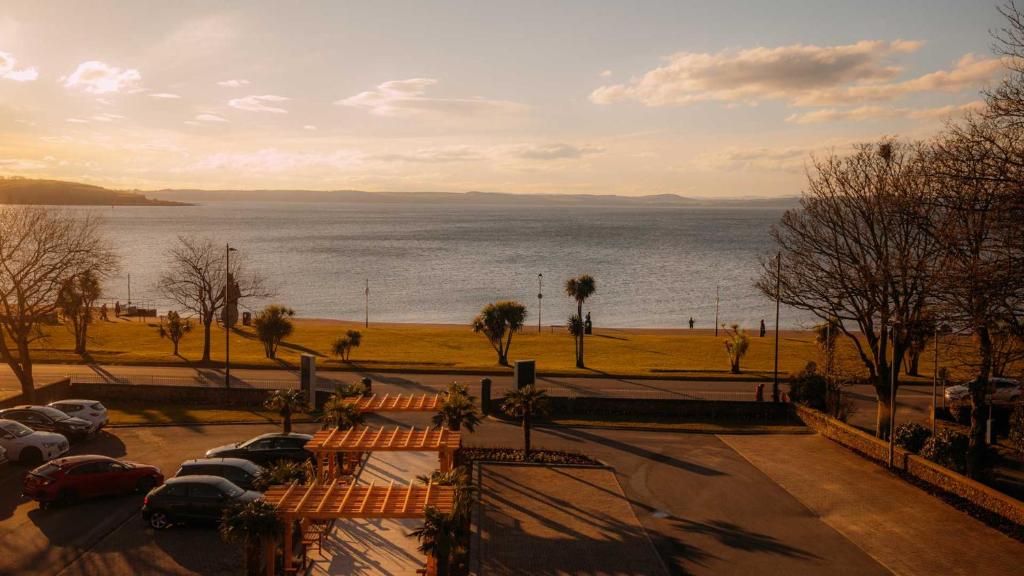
691, 322
117, 309
762, 328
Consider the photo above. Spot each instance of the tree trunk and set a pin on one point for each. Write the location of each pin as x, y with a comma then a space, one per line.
28, 385
175, 342
579, 350
913, 360
978, 388
884, 407
286, 414
206, 338
526, 437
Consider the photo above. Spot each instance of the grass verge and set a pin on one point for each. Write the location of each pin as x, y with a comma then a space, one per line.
130, 413
675, 425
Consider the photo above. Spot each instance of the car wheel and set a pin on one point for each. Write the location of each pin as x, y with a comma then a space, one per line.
31, 456
145, 484
158, 520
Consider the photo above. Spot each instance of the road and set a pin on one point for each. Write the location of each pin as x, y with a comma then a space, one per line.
913, 402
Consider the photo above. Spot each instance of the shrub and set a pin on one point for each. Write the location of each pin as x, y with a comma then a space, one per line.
949, 449
466, 456
1017, 427
809, 388
911, 436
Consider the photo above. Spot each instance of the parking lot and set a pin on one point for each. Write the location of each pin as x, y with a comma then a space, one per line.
107, 536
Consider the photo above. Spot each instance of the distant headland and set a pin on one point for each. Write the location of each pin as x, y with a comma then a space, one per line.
14, 190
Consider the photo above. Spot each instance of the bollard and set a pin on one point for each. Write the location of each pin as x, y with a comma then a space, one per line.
485, 396
760, 392
369, 385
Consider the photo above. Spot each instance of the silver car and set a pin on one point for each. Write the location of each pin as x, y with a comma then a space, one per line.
1002, 391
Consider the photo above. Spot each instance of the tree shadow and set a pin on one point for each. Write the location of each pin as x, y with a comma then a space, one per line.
584, 436
734, 536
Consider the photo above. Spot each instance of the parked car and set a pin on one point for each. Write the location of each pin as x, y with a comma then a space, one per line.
1005, 391
242, 473
89, 410
68, 480
3, 455
192, 498
48, 419
29, 446
266, 449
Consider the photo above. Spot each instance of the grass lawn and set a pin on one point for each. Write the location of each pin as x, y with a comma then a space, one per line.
453, 348
147, 413
671, 424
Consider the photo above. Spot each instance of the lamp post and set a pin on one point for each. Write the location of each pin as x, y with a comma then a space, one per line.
716, 309
227, 314
892, 398
366, 296
778, 285
540, 298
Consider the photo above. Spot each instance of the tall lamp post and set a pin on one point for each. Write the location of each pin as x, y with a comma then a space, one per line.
227, 314
778, 293
540, 298
892, 397
716, 309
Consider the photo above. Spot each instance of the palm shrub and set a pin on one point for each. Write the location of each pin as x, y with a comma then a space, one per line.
253, 524
175, 328
340, 348
458, 410
911, 436
526, 403
273, 324
352, 389
341, 412
282, 472
579, 289
809, 388
498, 321
458, 478
355, 338
736, 344
439, 538
286, 403
949, 449
575, 327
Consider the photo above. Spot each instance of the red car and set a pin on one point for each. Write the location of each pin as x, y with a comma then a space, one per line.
66, 480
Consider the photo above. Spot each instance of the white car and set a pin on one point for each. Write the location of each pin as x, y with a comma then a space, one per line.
89, 410
1005, 391
29, 446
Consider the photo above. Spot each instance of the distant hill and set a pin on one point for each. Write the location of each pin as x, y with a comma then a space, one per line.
476, 198
61, 193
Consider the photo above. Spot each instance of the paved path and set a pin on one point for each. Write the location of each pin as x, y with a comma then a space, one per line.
903, 528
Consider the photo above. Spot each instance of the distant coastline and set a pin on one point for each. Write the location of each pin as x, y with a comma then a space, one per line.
26, 191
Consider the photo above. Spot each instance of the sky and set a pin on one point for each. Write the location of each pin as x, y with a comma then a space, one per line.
702, 99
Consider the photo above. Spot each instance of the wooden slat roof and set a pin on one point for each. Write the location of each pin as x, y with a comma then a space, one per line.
337, 500
397, 403
374, 439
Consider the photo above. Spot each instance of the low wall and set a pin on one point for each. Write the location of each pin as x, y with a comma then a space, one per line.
45, 394
202, 395
913, 465
670, 407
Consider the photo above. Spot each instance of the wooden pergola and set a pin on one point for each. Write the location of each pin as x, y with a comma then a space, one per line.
325, 444
397, 403
326, 502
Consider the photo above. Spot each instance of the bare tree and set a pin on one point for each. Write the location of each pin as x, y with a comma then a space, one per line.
857, 253
41, 249
196, 282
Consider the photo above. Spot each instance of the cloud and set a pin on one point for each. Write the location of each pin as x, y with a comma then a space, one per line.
165, 96
309, 127
555, 151
21, 164
863, 113
8, 70
259, 103
436, 155
804, 75
207, 118
76, 121
406, 98
271, 160
762, 159
98, 77
605, 73
234, 83
105, 117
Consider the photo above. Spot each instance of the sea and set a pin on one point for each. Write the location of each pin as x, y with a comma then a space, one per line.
654, 267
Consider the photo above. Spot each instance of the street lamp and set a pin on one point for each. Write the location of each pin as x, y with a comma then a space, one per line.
540, 298
227, 314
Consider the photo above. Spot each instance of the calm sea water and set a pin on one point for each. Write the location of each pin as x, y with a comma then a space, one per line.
655, 267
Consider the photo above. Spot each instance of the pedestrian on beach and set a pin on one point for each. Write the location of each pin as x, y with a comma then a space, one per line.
762, 328
691, 322
117, 309
103, 312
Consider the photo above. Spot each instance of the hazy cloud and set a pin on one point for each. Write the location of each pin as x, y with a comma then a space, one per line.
555, 151
786, 159
210, 118
406, 98
259, 103
9, 70
165, 96
309, 127
106, 117
98, 77
270, 160
441, 154
755, 74
605, 73
233, 83
862, 113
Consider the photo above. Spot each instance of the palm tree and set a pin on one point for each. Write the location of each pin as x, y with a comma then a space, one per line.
439, 538
736, 344
175, 329
355, 338
340, 348
458, 411
498, 321
579, 289
282, 472
526, 403
286, 402
273, 324
458, 478
254, 524
340, 411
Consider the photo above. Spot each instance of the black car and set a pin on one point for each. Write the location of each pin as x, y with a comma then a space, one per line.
192, 499
266, 449
49, 420
241, 473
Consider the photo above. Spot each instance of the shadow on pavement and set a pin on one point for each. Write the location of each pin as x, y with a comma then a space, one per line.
583, 436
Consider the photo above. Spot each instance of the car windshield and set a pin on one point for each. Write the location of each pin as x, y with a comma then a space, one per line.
46, 470
16, 429
231, 490
53, 413
250, 442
